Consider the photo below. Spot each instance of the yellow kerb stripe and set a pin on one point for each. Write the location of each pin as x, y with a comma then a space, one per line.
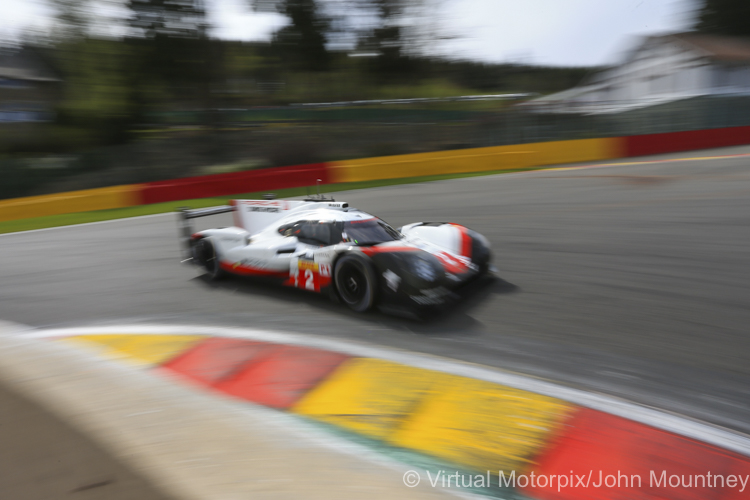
468, 422
482, 425
140, 349
368, 396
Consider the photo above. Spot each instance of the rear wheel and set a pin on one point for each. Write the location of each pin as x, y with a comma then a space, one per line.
356, 282
205, 253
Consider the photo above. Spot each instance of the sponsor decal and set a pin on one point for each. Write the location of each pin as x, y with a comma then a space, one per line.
303, 265
266, 206
264, 209
325, 255
392, 279
325, 270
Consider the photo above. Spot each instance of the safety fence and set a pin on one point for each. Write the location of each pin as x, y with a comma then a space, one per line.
495, 158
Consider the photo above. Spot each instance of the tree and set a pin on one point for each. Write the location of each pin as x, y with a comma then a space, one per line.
382, 32
399, 32
724, 17
302, 44
168, 18
96, 93
170, 49
95, 97
71, 20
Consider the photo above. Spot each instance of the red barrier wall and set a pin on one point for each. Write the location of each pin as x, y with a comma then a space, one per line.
207, 186
254, 181
651, 144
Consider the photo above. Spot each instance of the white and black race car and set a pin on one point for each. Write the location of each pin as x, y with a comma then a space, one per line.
325, 246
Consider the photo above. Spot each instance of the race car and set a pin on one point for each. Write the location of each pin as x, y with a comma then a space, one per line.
326, 246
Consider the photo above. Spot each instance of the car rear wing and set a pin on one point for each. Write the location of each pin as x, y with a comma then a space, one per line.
185, 227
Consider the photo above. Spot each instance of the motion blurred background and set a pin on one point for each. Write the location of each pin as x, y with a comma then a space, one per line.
630, 279
104, 92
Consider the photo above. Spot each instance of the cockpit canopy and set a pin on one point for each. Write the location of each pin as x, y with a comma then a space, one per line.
357, 232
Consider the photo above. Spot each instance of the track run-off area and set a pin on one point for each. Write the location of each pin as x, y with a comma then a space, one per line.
628, 279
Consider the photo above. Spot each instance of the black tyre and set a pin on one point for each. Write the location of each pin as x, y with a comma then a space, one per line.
205, 253
356, 282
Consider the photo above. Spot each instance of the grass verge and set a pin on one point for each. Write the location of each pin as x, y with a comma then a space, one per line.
159, 208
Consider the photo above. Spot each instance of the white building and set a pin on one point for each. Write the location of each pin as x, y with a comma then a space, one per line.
660, 69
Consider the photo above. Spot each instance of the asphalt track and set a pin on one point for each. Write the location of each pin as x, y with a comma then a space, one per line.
629, 280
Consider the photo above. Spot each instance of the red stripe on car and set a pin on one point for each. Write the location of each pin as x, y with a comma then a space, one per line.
369, 251
465, 241
252, 271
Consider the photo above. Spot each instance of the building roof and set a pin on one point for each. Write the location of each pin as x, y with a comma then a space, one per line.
25, 64
722, 48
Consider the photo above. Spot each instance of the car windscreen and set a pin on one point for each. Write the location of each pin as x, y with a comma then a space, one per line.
369, 232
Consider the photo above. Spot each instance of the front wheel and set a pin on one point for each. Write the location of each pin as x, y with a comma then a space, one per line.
356, 282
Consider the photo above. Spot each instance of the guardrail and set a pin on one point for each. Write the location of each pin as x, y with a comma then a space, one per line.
510, 157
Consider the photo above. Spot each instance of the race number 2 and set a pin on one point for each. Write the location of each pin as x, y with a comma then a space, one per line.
306, 276
309, 279
309, 275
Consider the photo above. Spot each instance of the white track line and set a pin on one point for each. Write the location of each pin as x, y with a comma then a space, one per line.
700, 431
122, 219
604, 165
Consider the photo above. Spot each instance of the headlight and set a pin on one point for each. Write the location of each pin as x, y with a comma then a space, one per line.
424, 270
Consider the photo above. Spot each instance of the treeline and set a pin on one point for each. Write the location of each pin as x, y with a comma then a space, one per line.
164, 99
167, 62
110, 86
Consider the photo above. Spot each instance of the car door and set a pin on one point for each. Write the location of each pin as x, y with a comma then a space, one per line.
310, 266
